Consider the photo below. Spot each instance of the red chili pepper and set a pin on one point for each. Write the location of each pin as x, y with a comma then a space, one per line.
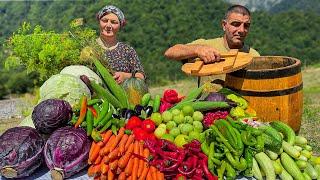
94, 112
164, 105
83, 111
148, 125
133, 122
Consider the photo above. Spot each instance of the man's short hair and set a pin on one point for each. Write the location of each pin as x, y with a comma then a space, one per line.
237, 9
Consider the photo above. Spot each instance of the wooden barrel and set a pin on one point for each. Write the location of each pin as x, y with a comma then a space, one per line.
273, 87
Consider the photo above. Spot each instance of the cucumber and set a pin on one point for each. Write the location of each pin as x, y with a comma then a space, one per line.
285, 129
145, 99
277, 167
301, 164
272, 155
156, 103
299, 140
311, 171
290, 166
266, 165
193, 94
256, 170
284, 174
289, 149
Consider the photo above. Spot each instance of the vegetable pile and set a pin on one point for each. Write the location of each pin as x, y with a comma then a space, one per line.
203, 135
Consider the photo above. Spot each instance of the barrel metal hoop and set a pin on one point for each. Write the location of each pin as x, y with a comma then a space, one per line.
269, 93
266, 74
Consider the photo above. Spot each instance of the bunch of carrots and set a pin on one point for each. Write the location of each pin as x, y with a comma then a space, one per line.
121, 157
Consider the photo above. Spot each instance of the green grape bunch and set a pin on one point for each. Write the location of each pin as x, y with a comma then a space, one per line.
48, 52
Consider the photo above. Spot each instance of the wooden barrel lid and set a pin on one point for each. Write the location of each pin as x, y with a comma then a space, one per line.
230, 62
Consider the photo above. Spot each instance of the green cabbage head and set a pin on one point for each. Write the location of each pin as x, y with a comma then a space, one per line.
64, 86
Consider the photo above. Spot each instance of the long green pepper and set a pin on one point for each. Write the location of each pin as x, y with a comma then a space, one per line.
106, 118
223, 139
89, 119
103, 113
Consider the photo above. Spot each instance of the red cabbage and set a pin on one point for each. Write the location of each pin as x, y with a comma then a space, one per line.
51, 114
214, 96
20, 152
66, 151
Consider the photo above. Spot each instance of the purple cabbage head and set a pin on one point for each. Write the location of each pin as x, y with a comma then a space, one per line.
20, 152
66, 151
215, 96
51, 114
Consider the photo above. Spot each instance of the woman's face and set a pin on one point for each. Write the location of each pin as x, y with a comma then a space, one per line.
109, 25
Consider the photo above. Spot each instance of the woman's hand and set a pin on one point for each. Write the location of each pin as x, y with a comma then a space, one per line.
121, 76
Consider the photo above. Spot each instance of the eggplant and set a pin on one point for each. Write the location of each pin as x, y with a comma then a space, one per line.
138, 108
148, 110
129, 113
116, 116
122, 112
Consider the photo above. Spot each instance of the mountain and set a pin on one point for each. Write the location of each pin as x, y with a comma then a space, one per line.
255, 5
277, 6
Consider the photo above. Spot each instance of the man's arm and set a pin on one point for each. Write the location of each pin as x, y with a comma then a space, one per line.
180, 51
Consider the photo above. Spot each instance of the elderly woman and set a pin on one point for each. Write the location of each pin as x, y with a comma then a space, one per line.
122, 58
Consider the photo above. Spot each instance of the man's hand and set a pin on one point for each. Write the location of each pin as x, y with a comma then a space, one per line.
207, 54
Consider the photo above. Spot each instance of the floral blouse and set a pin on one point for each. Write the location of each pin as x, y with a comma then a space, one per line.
123, 58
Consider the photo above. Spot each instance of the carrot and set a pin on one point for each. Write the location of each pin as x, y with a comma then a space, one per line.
105, 159
123, 161
129, 167
100, 143
129, 141
106, 136
94, 170
98, 160
141, 161
91, 171
110, 175
103, 177
160, 175
129, 178
106, 148
96, 178
144, 173
104, 168
122, 176
93, 153
153, 172
122, 143
114, 154
149, 176
83, 111
119, 170
113, 165
145, 168
117, 139
136, 150
135, 168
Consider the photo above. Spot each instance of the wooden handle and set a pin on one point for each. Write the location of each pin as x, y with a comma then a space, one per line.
231, 53
197, 66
